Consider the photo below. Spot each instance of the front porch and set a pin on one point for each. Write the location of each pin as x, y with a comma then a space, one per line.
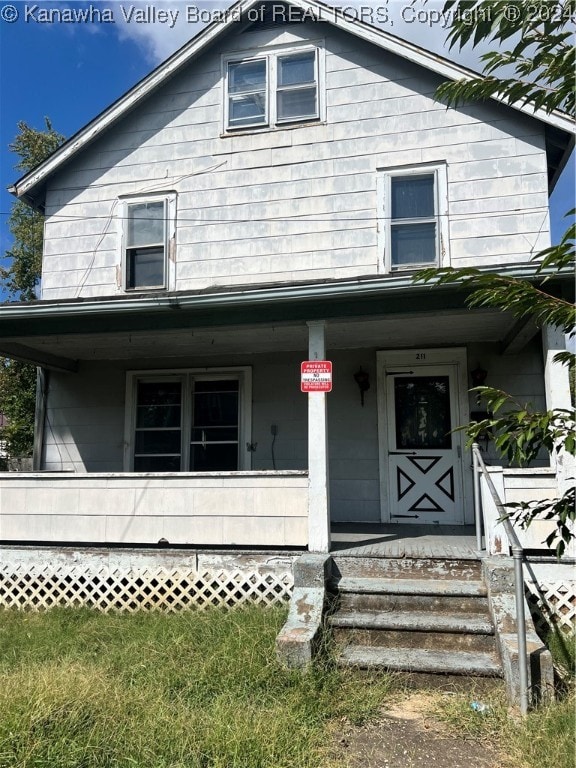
410, 541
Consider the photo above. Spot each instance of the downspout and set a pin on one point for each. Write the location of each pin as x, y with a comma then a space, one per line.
42, 381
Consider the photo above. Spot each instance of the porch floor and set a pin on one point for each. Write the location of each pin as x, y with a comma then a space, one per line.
378, 540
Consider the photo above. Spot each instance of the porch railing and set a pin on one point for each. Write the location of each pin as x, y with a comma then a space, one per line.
517, 550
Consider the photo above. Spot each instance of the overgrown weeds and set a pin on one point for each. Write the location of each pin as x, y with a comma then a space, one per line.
79, 689
544, 739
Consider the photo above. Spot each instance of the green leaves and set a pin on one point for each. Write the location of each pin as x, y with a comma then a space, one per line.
20, 280
539, 66
520, 297
519, 432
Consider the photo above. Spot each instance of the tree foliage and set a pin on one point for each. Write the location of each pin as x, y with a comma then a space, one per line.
26, 225
539, 66
538, 70
20, 281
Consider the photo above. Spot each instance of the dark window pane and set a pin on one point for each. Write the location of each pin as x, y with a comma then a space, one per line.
159, 393
157, 441
293, 70
412, 197
225, 385
413, 244
422, 410
247, 76
214, 458
215, 409
145, 267
157, 464
215, 434
158, 416
300, 103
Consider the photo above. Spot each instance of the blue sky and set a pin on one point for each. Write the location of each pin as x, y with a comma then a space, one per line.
70, 71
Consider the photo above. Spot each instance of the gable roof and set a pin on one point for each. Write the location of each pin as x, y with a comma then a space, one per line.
560, 127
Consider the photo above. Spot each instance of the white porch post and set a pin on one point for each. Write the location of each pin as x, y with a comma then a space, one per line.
318, 493
557, 387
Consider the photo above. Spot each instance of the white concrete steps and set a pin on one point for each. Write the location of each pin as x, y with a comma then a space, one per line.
419, 660
404, 614
416, 622
439, 587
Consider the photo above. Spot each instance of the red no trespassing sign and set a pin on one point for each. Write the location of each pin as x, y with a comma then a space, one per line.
316, 376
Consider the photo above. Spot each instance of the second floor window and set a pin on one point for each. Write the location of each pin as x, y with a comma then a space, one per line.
148, 237
272, 90
146, 244
413, 231
414, 210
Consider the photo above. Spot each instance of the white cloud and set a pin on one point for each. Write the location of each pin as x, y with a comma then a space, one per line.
160, 27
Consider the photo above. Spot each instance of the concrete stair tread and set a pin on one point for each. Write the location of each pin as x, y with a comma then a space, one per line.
419, 660
411, 586
424, 621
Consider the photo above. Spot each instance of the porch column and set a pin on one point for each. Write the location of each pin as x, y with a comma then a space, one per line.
318, 493
557, 388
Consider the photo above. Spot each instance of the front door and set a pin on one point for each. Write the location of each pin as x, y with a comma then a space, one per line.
424, 455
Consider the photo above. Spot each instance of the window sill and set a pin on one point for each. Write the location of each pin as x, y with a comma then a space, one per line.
231, 132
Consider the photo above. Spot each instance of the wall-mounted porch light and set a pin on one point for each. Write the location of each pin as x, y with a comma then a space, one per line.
478, 378
362, 378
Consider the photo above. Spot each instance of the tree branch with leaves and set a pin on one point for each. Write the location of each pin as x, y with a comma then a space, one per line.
20, 281
537, 70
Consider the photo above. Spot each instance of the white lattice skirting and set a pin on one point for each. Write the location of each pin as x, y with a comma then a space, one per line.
552, 605
135, 589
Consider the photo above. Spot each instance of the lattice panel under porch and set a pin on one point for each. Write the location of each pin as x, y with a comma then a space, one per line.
40, 587
552, 605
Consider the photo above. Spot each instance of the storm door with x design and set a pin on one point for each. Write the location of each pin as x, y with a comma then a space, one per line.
424, 456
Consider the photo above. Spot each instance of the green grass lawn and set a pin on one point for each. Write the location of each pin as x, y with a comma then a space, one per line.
79, 689
203, 689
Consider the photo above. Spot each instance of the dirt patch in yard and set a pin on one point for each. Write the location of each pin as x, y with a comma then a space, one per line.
406, 736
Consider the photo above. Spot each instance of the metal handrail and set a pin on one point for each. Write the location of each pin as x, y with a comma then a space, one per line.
518, 555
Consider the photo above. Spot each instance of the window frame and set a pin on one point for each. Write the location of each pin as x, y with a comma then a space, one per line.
272, 57
243, 374
440, 218
168, 199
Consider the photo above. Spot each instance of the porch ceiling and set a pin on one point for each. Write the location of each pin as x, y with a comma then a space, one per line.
386, 331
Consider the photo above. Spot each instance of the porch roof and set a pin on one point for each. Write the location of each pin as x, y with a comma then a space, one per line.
55, 334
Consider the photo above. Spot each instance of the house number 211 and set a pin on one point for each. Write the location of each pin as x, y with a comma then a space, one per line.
420, 355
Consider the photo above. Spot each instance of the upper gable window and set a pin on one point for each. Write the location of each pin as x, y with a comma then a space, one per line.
414, 211
148, 224
413, 225
273, 89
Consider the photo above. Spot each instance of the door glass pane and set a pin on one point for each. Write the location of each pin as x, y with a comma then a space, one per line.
422, 412
215, 425
412, 197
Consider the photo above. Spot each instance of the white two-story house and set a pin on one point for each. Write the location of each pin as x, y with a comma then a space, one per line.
264, 198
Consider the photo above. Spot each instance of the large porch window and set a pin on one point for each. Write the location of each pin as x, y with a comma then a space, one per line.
188, 421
